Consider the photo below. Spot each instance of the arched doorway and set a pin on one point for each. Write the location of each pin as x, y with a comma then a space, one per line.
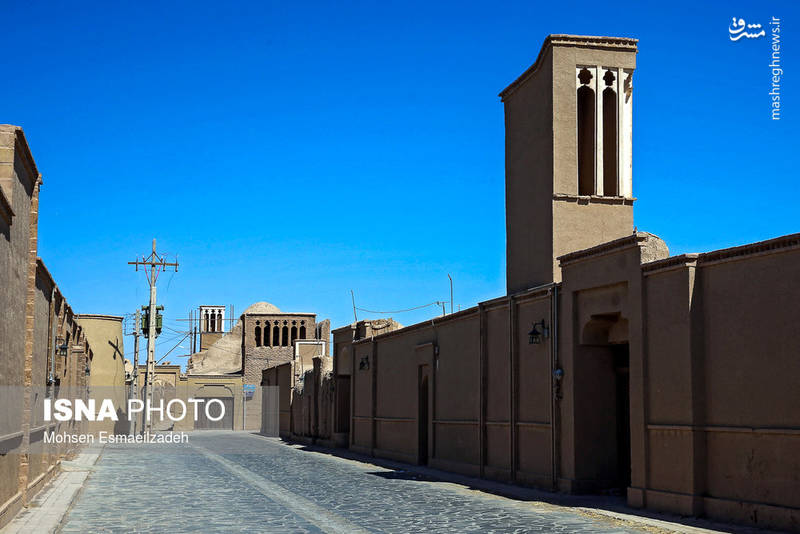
602, 405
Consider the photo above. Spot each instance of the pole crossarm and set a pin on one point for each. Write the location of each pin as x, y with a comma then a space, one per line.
156, 263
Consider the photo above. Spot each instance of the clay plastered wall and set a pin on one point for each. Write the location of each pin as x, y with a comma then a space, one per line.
751, 353
325, 405
13, 273
533, 408
456, 391
722, 403
670, 393
107, 378
285, 382
529, 180
342, 353
361, 427
38, 449
579, 225
14, 265
498, 410
517, 404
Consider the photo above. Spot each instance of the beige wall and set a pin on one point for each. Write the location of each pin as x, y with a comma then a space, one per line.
710, 360
170, 384
722, 404
18, 184
107, 376
34, 312
282, 377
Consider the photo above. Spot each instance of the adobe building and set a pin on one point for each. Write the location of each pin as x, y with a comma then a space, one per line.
230, 365
107, 377
43, 348
609, 365
297, 396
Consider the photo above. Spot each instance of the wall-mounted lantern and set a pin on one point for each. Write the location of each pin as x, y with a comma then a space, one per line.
558, 374
61, 346
538, 332
87, 370
364, 363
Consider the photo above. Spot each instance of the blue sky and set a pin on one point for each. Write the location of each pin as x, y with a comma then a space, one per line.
291, 152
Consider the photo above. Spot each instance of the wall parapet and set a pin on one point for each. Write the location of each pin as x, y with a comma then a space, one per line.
770, 246
669, 264
616, 245
762, 248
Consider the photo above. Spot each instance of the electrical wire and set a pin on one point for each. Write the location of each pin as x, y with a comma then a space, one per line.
437, 303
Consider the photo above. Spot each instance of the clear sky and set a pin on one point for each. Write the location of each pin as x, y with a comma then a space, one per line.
293, 151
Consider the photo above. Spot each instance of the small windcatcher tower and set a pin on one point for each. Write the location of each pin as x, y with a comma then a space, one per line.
212, 325
568, 122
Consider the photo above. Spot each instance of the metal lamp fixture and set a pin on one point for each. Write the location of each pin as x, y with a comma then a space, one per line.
538, 332
61, 347
364, 363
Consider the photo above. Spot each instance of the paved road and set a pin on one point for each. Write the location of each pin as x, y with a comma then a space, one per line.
237, 482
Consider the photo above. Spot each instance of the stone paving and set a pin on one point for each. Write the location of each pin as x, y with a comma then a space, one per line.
45, 513
237, 482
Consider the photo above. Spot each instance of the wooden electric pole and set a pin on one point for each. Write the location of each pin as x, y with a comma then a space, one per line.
135, 380
156, 264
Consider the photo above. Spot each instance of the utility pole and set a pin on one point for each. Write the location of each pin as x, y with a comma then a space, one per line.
451, 292
135, 381
156, 264
353, 296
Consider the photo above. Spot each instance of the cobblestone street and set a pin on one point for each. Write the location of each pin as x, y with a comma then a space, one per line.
237, 482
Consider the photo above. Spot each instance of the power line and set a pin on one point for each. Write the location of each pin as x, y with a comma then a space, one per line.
436, 303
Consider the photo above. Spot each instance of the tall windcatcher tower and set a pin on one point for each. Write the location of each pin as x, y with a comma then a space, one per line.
568, 122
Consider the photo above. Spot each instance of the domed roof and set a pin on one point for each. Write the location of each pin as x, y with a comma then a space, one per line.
262, 307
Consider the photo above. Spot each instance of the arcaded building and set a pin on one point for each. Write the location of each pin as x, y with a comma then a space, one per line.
230, 364
609, 365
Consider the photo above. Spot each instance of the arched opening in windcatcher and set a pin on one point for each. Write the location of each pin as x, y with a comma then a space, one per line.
586, 137
610, 121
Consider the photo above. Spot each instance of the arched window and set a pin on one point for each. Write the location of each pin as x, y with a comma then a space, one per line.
213, 322
585, 141
303, 330
586, 134
276, 335
258, 334
285, 336
205, 320
267, 332
610, 177
294, 333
